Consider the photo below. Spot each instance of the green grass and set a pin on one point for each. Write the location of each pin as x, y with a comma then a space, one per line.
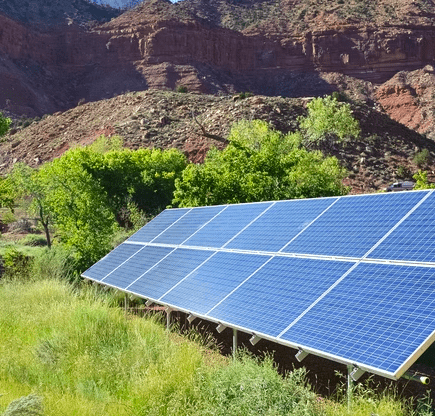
74, 347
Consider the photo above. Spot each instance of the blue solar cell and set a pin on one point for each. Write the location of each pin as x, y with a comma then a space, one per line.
353, 225
136, 266
171, 270
414, 239
226, 225
213, 281
186, 226
281, 290
158, 225
112, 260
377, 316
280, 224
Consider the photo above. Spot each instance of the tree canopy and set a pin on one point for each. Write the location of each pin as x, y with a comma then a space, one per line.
84, 194
5, 123
329, 119
259, 164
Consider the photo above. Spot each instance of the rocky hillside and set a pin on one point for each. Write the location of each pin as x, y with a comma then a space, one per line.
269, 47
54, 55
193, 123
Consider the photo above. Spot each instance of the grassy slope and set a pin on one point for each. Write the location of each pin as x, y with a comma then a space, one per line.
78, 351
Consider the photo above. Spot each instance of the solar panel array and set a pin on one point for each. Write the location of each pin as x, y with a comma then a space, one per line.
348, 278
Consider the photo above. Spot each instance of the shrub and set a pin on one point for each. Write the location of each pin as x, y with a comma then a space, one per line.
328, 121
403, 172
181, 88
422, 159
54, 263
30, 405
16, 264
4, 124
34, 240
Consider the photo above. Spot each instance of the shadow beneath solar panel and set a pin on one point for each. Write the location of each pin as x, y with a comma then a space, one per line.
325, 376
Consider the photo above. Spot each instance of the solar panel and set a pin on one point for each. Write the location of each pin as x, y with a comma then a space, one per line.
280, 291
414, 239
336, 277
353, 225
170, 271
137, 265
378, 316
108, 263
280, 224
158, 225
213, 281
187, 225
227, 224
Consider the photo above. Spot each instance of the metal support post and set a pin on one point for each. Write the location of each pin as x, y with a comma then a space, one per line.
126, 304
349, 387
168, 319
234, 342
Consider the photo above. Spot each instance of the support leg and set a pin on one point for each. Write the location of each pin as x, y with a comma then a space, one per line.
168, 319
349, 387
234, 342
126, 304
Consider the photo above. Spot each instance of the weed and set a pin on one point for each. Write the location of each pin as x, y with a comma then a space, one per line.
422, 159
30, 405
181, 89
34, 240
403, 172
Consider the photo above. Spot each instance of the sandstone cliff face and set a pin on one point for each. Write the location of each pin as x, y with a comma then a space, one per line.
145, 48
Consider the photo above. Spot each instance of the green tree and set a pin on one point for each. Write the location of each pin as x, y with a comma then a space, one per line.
5, 123
27, 183
328, 121
421, 181
78, 207
259, 164
85, 193
7, 194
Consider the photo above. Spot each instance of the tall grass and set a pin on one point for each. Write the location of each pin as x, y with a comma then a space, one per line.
77, 350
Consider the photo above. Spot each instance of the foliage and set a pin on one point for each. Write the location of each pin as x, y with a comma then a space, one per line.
107, 144
30, 405
181, 89
78, 206
16, 264
86, 359
422, 159
403, 172
421, 181
5, 123
27, 183
329, 120
87, 192
253, 386
34, 240
56, 263
6, 194
259, 164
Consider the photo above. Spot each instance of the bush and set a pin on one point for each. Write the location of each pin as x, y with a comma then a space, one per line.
181, 88
34, 240
30, 405
54, 263
4, 124
16, 264
422, 159
403, 172
328, 121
